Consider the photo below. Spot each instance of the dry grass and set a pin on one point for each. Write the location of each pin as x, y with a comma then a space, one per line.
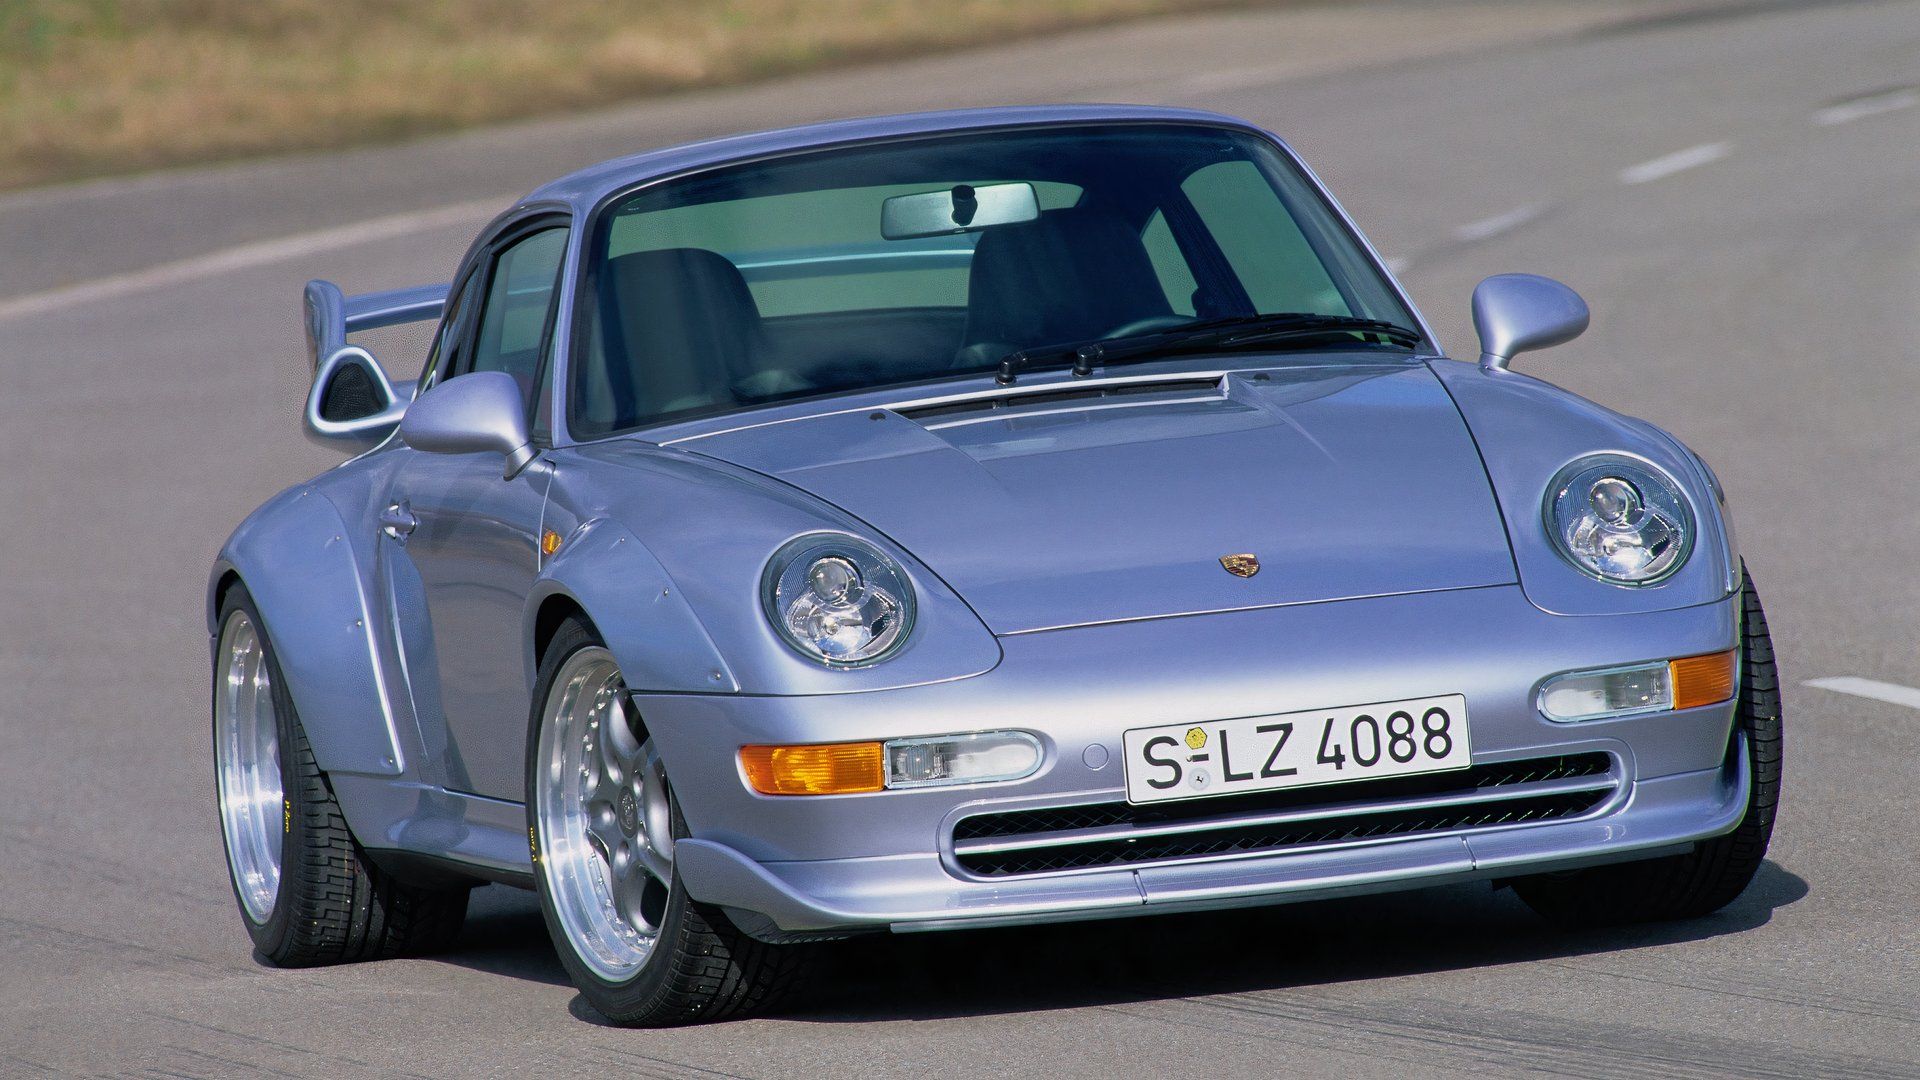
89, 87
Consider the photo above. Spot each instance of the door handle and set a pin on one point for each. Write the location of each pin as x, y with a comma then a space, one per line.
397, 521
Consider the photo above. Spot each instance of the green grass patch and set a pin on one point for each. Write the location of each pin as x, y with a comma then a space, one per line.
92, 87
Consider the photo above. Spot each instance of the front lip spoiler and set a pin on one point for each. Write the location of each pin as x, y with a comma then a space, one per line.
910, 893
1331, 891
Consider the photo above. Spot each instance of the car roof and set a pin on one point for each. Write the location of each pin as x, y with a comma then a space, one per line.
584, 189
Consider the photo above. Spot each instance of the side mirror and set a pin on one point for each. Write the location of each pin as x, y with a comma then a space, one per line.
351, 400
1516, 313
475, 413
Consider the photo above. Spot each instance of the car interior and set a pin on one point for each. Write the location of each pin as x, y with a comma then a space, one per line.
744, 289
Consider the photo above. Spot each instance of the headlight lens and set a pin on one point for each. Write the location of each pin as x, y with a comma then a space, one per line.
838, 599
1618, 519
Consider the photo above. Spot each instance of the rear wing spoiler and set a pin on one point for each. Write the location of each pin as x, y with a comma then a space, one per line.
332, 315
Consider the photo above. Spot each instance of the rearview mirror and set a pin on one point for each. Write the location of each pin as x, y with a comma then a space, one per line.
352, 400
471, 414
1516, 313
961, 208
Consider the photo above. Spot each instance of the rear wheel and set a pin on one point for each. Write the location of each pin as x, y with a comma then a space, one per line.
1716, 871
603, 821
307, 892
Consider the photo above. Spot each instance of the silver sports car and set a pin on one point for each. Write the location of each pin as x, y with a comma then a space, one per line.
963, 520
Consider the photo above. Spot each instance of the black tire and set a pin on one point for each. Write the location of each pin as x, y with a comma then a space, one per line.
1709, 877
702, 968
333, 906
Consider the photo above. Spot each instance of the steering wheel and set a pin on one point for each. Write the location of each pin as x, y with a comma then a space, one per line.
1148, 325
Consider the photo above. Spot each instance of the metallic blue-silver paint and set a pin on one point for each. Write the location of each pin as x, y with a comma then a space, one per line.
1068, 590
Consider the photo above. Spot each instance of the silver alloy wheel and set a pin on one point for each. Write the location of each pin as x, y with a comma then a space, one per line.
246, 743
605, 822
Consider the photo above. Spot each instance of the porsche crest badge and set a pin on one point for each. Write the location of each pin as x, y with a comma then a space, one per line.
1243, 565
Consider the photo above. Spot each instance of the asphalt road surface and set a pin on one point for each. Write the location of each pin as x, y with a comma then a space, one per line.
1735, 188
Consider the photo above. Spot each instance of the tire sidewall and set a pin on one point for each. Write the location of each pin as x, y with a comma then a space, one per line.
269, 936
1718, 869
1765, 728
613, 999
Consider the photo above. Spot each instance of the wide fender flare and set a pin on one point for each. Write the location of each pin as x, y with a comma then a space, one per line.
653, 633
294, 556
1527, 431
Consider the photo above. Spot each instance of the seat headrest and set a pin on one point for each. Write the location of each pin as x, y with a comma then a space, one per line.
1068, 274
686, 325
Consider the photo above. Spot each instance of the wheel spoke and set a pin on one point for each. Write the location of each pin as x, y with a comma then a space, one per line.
619, 745
606, 786
656, 816
605, 840
630, 883
656, 864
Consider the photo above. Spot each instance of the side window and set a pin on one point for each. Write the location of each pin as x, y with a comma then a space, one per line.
517, 310
1260, 240
438, 357
1169, 264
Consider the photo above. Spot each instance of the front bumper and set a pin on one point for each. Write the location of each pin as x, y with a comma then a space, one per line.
833, 864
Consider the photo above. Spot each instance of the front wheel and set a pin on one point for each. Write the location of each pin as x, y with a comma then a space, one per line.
603, 821
307, 891
1716, 871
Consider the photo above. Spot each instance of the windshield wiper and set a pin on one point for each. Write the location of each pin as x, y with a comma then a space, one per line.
1205, 335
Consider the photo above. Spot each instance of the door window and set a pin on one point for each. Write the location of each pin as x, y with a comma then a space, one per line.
441, 357
517, 318
519, 309
1169, 265
1261, 240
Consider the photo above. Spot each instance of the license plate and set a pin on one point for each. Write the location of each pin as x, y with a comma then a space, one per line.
1320, 746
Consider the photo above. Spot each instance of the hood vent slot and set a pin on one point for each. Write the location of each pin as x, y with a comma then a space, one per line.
1014, 404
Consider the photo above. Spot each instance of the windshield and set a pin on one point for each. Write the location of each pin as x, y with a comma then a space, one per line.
906, 261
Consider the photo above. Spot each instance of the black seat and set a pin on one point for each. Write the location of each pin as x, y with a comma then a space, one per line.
1067, 275
681, 327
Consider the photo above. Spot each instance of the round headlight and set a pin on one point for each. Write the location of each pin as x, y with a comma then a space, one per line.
837, 599
1620, 520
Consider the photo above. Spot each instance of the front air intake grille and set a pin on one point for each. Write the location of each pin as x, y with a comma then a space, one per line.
1118, 833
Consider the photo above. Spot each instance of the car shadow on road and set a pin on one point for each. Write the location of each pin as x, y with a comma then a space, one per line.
504, 935
888, 977
928, 976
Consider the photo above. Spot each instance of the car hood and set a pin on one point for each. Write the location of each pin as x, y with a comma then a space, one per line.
1082, 503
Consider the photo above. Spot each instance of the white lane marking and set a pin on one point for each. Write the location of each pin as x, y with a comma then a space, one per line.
1679, 161
1397, 264
1860, 108
250, 256
1869, 688
1488, 228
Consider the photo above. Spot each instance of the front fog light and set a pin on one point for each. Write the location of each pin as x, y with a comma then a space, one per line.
1592, 695
961, 759
1684, 683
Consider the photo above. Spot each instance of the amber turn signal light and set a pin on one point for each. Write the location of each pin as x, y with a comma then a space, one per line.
820, 769
1702, 680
